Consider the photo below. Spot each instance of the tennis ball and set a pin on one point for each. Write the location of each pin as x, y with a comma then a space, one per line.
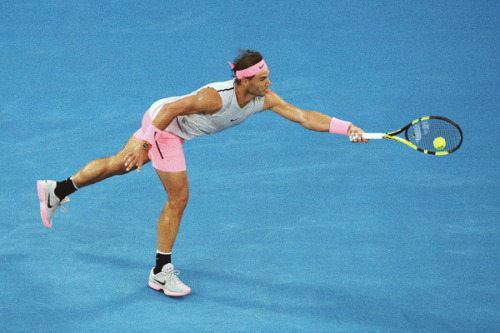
439, 143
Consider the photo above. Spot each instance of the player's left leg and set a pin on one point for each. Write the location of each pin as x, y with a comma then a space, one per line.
103, 168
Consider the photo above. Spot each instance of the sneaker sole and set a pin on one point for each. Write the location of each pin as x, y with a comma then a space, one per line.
43, 204
166, 292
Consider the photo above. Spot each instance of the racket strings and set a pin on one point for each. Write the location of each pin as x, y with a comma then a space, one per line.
423, 133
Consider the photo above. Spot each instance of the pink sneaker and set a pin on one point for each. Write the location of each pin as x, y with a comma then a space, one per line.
49, 202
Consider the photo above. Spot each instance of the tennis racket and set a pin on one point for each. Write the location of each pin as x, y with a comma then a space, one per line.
430, 135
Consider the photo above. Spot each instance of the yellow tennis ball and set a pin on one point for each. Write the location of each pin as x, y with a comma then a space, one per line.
439, 143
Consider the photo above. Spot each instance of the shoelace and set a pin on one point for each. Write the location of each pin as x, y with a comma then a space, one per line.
61, 204
172, 276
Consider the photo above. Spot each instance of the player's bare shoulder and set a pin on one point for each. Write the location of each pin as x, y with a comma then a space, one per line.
272, 100
208, 100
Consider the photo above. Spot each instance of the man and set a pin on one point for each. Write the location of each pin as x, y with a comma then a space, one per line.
170, 122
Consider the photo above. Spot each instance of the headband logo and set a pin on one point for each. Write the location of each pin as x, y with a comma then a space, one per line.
250, 71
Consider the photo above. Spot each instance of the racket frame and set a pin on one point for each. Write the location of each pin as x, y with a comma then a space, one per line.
393, 136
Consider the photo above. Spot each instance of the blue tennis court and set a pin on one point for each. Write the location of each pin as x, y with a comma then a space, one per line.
286, 230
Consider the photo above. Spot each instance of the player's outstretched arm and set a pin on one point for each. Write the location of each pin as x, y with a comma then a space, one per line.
312, 120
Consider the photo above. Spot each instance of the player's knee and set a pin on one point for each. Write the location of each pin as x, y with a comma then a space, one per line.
180, 200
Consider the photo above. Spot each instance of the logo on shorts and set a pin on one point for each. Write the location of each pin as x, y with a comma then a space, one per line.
233, 120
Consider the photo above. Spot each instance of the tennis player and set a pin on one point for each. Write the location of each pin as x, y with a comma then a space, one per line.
169, 123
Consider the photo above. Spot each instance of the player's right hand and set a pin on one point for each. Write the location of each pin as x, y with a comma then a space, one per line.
136, 158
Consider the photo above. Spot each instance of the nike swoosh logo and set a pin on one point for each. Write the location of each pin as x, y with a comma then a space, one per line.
234, 119
48, 202
260, 67
162, 283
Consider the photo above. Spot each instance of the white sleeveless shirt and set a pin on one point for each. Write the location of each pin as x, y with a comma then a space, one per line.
199, 124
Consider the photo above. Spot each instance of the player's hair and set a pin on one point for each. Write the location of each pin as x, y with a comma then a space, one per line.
245, 59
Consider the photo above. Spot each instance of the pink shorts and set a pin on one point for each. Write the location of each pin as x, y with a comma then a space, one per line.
167, 153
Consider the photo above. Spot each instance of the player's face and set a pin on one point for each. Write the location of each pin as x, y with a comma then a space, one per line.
259, 84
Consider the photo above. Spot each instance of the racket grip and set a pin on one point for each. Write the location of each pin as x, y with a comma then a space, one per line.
373, 136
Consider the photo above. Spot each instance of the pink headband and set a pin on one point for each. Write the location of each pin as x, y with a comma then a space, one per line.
250, 71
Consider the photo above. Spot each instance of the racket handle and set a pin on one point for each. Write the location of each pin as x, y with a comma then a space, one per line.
373, 136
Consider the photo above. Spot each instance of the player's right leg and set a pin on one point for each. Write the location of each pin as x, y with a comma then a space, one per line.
164, 277
54, 194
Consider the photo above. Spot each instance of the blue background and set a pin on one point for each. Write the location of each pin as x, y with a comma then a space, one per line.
286, 230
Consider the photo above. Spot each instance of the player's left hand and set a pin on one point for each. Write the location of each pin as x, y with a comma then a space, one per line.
356, 134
